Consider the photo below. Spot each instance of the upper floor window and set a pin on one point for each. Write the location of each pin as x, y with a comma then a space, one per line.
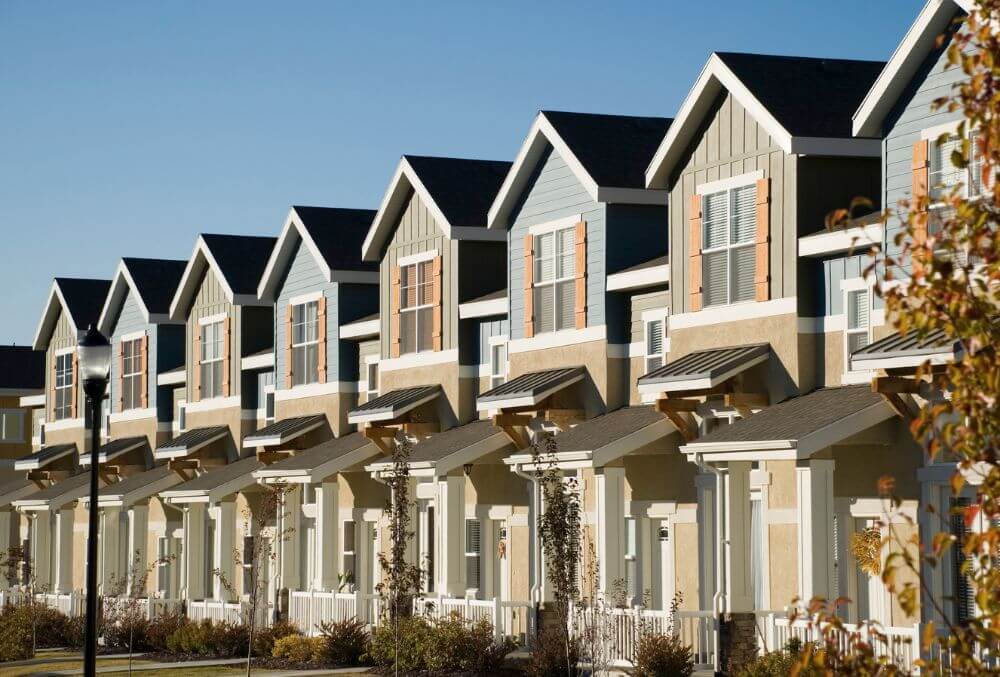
372, 382
943, 175
729, 233
554, 280
858, 319
655, 345
268, 407
498, 364
131, 374
63, 386
416, 307
11, 425
305, 343
212, 362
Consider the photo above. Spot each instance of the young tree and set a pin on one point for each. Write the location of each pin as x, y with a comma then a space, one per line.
123, 608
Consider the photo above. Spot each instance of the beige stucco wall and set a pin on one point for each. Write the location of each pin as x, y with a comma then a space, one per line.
495, 484
458, 405
359, 490
604, 388
17, 449
686, 564
228, 448
783, 558
334, 406
782, 492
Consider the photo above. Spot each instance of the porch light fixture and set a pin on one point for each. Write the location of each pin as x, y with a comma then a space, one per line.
94, 361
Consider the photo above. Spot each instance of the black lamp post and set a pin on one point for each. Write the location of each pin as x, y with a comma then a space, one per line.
94, 361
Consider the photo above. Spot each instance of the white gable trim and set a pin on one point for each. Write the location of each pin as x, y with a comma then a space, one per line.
117, 294
50, 316
904, 63
282, 253
200, 257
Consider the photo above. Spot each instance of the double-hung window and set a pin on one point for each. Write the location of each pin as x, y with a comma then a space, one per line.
944, 176
416, 309
372, 382
349, 545
555, 280
729, 234
131, 374
305, 343
11, 425
212, 362
473, 555
498, 364
631, 560
858, 325
655, 334
64, 386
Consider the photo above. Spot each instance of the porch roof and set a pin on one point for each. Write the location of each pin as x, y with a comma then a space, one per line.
215, 483
191, 441
703, 369
452, 448
801, 426
138, 487
114, 449
44, 456
615, 434
321, 461
55, 496
529, 389
905, 350
15, 489
393, 404
283, 431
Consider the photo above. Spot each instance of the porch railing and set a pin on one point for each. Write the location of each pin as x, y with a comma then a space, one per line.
512, 619
307, 609
219, 611
900, 644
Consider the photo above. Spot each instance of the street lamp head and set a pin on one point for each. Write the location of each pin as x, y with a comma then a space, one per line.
94, 359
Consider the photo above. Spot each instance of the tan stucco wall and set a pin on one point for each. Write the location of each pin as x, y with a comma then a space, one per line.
604, 389
334, 406
518, 553
458, 404
857, 468
686, 564
77, 435
782, 492
80, 527
359, 490
495, 484
904, 534
228, 448
783, 555
159, 525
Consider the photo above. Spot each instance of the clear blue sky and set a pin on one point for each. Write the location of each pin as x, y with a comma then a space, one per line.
127, 128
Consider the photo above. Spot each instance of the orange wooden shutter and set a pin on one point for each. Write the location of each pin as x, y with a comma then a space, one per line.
76, 388
436, 300
196, 380
694, 254
763, 264
394, 337
120, 381
144, 371
226, 352
919, 192
321, 332
581, 275
529, 282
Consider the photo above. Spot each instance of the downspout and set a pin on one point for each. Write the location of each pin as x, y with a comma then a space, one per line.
536, 498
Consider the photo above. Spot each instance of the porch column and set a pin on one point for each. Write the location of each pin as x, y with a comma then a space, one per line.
110, 545
738, 585
63, 563
327, 536
225, 532
814, 486
450, 517
363, 564
705, 484
289, 534
41, 549
138, 562
610, 518
194, 550
487, 555
8, 537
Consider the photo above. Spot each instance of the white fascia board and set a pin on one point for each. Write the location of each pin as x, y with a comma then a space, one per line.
33, 401
171, 378
527, 400
262, 361
180, 498
471, 453
629, 443
359, 330
291, 232
46, 325
482, 308
120, 286
35, 464
715, 75
856, 239
639, 279
701, 448
903, 361
191, 277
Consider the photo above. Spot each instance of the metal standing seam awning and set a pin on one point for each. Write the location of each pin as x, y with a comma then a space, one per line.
703, 369
44, 457
529, 389
905, 351
189, 442
321, 461
392, 405
284, 431
114, 449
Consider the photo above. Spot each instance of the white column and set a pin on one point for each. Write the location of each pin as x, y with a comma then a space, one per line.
705, 483
290, 535
138, 528
111, 549
327, 536
535, 559
739, 585
64, 562
814, 485
487, 555
8, 537
194, 551
363, 557
610, 485
41, 549
450, 517
225, 534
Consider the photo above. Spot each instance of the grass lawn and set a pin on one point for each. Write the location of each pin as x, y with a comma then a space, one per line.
180, 670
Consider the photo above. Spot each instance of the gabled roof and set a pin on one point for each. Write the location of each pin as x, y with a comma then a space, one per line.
284, 431
237, 260
57, 495
457, 192
333, 236
451, 449
45, 456
137, 487
80, 298
21, 368
322, 461
610, 436
393, 404
216, 483
190, 441
918, 42
607, 154
804, 103
154, 283
114, 449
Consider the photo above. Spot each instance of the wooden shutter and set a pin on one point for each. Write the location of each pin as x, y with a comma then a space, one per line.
120, 381
226, 352
920, 168
76, 389
288, 346
529, 282
762, 265
436, 300
394, 337
144, 370
196, 377
694, 254
581, 275
321, 333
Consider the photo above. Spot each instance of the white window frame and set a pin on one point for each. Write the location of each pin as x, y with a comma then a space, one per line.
848, 287
372, 385
304, 376
6, 423
498, 372
965, 176
268, 405
131, 380
631, 565
63, 392
476, 555
348, 550
420, 281
651, 317
181, 423
729, 187
207, 365
556, 230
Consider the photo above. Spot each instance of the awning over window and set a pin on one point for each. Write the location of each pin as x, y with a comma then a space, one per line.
191, 441
392, 405
284, 431
905, 351
115, 449
529, 389
703, 369
44, 457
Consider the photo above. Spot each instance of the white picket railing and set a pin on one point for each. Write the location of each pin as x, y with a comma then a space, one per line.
509, 618
900, 644
308, 609
71, 603
219, 611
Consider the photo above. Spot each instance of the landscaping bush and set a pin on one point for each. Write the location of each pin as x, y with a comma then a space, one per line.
264, 638
117, 636
548, 657
52, 628
662, 656
300, 649
778, 663
15, 633
196, 638
345, 642
161, 628
414, 636
458, 646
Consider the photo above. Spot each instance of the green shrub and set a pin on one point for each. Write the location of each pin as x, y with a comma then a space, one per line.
458, 646
548, 655
160, 629
778, 663
345, 642
53, 628
300, 649
192, 638
663, 656
264, 638
76, 630
15, 633
414, 636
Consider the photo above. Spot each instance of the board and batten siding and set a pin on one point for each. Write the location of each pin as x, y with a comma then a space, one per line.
211, 300
130, 320
554, 193
304, 276
415, 232
732, 143
658, 300
62, 337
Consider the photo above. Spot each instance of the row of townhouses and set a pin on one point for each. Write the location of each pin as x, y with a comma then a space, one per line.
660, 294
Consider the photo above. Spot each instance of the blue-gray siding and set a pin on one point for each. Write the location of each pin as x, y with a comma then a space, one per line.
488, 328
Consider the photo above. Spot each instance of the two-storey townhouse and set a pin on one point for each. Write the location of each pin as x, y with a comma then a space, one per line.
55, 533
226, 328
789, 456
320, 288
587, 306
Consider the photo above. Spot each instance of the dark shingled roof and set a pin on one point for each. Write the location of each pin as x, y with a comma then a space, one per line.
807, 96
137, 481
193, 437
614, 149
599, 431
59, 488
905, 345
396, 401
287, 428
321, 453
216, 477
463, 189
442, 445
339, 234
710, 364
531, 385
84, 299
242, 259
14, 489
156, 280
22, 368
798, 417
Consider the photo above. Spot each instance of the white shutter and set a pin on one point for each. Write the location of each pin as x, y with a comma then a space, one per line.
744, 266
744, 214
714, 220
857, 311
654, 337
964, 592
714, 278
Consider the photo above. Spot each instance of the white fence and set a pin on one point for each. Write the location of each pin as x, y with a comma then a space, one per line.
308, 609
509, 619
900, 644
219, 611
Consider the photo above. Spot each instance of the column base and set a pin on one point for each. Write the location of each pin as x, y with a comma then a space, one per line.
737, 641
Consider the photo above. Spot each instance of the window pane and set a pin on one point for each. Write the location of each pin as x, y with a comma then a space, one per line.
408, 332
425, 328
567, 253
714, 278
654, 337
714, 210
544, 257
544, 309
743, 271
744, 219
566, 300
857, 309
857, 341
217, 379
312, 363
944, 175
